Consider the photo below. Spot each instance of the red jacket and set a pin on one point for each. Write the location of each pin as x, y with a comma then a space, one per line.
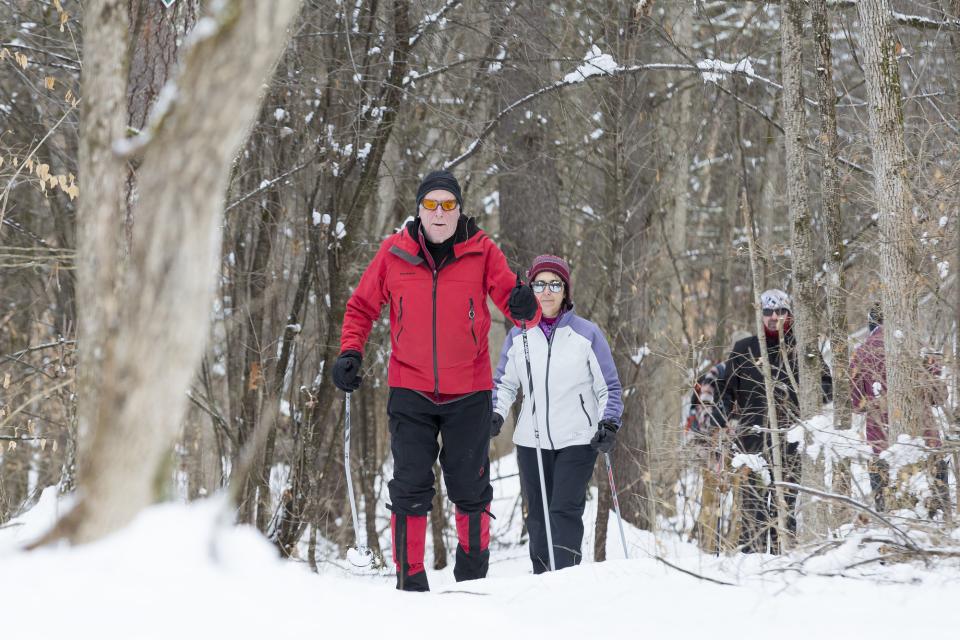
438, 319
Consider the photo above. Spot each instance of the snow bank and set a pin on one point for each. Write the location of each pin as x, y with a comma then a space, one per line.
176, 573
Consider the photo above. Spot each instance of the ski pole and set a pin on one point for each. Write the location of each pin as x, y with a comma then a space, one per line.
361, 555
536, 435
719, 493
616, 504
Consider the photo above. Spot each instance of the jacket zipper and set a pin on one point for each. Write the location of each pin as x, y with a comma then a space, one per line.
472, 315
436, 366
546, 386
583, 405
400, 320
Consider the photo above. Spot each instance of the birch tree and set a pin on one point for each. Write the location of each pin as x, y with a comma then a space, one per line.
833, 224
897, 245
802, 242
163, 302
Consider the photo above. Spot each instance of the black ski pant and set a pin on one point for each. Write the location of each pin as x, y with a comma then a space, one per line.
758, 524
566, 473
463, 425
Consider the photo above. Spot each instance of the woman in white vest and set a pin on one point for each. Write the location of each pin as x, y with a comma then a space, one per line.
577, 394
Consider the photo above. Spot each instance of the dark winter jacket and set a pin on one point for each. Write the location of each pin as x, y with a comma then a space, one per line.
742, 392
439, 319
703, 401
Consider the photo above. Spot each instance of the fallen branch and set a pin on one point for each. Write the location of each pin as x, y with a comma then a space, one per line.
853, 503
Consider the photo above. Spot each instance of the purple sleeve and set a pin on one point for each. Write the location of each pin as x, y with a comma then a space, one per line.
498, 377
608, 369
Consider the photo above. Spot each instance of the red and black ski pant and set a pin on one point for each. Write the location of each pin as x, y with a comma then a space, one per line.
463, 425
566, 473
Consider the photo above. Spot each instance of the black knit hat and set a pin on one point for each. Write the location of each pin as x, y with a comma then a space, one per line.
442, 179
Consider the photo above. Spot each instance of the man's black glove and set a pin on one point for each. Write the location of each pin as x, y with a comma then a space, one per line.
522, 303
496, 423
605, 437
346, 371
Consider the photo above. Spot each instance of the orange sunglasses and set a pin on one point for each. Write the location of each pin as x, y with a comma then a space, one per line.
431, 205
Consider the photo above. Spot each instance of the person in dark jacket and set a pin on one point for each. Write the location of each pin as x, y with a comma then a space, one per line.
436, 275
578, 406
743, 395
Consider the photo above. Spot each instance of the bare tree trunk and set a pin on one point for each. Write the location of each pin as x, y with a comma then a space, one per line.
833, 221
772, 422
527, 177
725, 306
955, 456
254, 498
621, 117
805, 293
899, 259
667, 324
801, 255
102, 208
158, 340
836, 297
156, 35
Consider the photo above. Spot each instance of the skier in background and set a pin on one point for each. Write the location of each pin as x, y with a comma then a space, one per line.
868, 394
742, 387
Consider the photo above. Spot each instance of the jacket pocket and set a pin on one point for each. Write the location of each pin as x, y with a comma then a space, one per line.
583, 405
472, 315
399, 321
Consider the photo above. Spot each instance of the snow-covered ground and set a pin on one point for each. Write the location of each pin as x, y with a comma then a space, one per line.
174, 573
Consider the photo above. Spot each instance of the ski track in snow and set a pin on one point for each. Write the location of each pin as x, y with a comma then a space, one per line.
174, 573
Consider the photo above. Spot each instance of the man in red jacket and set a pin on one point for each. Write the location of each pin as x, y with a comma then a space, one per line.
436, 274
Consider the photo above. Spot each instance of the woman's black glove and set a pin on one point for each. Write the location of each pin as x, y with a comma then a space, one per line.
346, 371
605, 437
496, 423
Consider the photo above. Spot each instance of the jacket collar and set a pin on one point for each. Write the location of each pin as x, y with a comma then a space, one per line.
566, 317
468, 240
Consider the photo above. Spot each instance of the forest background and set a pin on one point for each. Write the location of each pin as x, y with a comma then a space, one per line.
198, 204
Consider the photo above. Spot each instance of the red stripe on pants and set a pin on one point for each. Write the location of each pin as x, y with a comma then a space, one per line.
463, 529
416, 534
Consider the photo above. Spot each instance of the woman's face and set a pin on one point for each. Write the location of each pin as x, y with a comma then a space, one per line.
550, 301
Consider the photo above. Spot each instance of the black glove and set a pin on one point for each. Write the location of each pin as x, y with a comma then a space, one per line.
522, 303
605, 437
346, 371
496, 423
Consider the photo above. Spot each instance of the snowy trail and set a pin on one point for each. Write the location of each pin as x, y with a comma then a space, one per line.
158, 580
173, 574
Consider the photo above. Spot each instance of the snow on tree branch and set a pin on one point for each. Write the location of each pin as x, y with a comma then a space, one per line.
903, 19
597, 64
438, 18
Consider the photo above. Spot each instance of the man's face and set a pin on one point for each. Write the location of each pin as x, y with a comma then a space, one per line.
773, 318
438, 223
